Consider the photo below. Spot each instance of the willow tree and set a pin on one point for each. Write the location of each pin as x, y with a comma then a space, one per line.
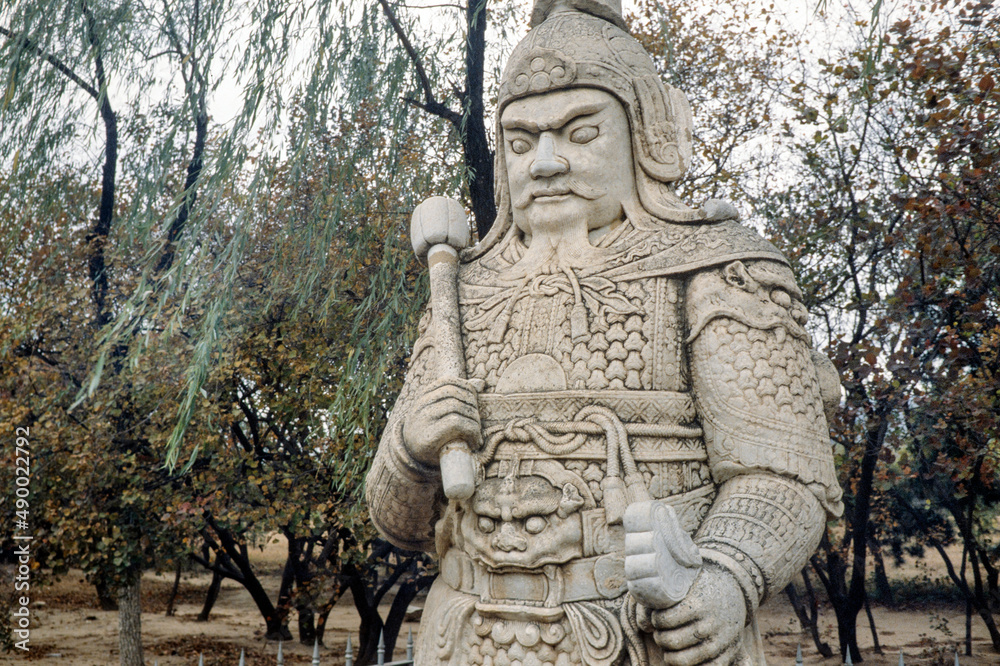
169, 120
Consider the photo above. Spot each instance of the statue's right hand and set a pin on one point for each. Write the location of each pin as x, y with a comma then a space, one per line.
448, 411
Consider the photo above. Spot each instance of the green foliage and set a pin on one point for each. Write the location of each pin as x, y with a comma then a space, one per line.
192, 280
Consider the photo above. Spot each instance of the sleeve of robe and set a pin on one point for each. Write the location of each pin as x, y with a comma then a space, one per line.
760, 399
404, 496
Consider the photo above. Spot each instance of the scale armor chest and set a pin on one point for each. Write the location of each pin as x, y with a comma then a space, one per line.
638, 348
579, 419
628, 356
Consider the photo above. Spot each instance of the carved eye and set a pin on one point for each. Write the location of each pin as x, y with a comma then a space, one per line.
486, 525
520, 146
782, 298
534, 525
584, 134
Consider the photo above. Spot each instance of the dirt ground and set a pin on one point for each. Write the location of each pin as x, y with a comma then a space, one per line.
67, 630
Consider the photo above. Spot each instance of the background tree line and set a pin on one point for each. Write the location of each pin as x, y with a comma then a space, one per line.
229, 289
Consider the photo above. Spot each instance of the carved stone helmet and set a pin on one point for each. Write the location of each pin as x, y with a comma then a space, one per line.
583, 44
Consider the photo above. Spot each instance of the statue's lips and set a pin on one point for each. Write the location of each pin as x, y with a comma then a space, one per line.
556, 192
552, 195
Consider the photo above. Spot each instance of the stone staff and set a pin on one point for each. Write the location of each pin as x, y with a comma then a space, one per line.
439, 228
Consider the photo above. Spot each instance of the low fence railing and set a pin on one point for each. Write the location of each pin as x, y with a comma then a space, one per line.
348, 654
380, 655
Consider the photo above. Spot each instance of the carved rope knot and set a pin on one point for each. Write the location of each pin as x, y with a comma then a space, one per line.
622, 484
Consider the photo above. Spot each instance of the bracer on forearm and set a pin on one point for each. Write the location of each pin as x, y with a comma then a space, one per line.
404, 496
762, 528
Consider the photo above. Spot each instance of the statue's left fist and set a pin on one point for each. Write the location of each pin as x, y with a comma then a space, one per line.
704, 628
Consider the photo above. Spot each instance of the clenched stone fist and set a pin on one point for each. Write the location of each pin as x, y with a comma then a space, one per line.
704, 628
446, 412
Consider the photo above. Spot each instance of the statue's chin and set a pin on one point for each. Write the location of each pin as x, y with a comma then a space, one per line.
594, 235
552, 247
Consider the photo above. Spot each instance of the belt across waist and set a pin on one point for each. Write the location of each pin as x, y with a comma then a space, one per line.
648, 407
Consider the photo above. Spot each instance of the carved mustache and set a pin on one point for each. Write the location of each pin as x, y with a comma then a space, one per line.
568, 186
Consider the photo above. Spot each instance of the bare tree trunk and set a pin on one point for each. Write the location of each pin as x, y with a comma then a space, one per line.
210, 597
238, 561
406, 593
324, 612
984, 611
968, 627
173, 592
980, 598
832, 572
130, 622
881, 578
307, 626
105, 595
871, 623
977, 602
475, 145
807, 610
968, 602
468, 122
371, 622
992, 577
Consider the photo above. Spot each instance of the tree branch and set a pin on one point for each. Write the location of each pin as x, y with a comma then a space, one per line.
97, 237
478, 156
444, 5
52, 60
201, 135
430, 103
437, 109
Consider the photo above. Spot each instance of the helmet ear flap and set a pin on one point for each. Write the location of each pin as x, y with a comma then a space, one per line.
661, 131
659, 200
662, 148
501, 196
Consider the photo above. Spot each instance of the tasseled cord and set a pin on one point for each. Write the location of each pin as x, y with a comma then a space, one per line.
618, 493
633, 636
579, 322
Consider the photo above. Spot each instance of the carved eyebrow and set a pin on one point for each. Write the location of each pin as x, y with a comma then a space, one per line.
510, 119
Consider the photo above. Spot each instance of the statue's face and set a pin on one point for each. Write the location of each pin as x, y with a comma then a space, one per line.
569, 160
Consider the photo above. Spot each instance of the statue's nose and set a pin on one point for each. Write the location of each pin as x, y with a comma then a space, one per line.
546, 163
508, 539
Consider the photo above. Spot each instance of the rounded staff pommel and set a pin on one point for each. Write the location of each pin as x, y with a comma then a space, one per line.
439, 221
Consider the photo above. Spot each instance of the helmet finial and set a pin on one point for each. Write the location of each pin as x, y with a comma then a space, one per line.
609, 10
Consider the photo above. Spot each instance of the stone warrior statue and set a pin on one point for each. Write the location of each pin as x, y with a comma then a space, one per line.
640, 398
